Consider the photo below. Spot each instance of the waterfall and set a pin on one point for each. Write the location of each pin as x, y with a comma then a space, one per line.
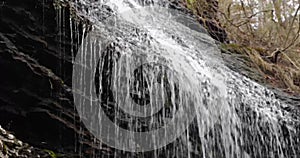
150, 79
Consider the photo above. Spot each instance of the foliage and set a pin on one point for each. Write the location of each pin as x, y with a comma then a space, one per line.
271, 25
268, 23
277, 75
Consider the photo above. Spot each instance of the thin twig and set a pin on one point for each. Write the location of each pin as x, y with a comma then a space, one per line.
290, 30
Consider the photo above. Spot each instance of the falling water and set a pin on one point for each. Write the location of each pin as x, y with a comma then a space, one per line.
158, 76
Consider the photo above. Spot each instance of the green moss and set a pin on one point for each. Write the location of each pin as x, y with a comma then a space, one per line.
232, 48
51, 153
190, 1
236, 48
5, 150
227, 46
190, 4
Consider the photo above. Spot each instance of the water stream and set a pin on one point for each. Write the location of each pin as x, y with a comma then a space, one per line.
150, 79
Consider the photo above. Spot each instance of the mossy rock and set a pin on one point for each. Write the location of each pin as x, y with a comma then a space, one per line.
51, 153
5, 150
239, 58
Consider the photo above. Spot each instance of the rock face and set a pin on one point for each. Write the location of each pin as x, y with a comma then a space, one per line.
12, 147
35, 98
37, 43
38, 39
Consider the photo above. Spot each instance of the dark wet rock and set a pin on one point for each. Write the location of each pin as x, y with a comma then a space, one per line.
38, 39
36, 102
238, 61
36, 64
11, 147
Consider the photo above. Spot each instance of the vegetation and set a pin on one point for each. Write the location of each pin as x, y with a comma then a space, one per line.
51, 153
266, 30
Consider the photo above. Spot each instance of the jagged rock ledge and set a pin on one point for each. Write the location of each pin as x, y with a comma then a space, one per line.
11, 147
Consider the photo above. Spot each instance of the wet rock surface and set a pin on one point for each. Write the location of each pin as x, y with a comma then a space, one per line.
36, 103
11, 147
38, 40
35, 62
241, 63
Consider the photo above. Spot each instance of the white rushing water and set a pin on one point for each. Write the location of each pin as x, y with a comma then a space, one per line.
161, 85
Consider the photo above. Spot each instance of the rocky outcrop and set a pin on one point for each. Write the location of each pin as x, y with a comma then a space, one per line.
206, 12
11, 147
35, 63
38, 39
